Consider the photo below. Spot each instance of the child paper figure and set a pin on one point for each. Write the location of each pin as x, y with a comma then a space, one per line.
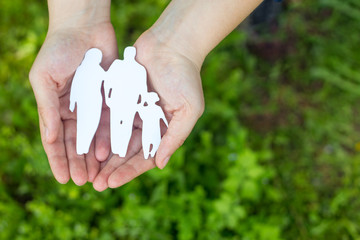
86, 94
151, 114
125, 82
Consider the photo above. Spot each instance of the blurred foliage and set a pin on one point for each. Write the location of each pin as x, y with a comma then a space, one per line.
275, 155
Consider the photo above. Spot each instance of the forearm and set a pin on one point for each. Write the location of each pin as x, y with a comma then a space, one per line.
195, 27
79, 13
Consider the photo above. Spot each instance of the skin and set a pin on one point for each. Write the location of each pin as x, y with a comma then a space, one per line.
172, 51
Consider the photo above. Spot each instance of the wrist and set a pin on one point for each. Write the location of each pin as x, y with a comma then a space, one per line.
176, 29
152, 45
84, 14
195, 27
175, 42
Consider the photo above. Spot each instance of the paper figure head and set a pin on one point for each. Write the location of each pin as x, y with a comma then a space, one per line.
93, 54
129, 53
152, 98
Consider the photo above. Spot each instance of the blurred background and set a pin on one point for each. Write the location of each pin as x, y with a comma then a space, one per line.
276, 154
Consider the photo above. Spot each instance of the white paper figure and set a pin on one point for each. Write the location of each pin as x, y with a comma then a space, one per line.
151, 114
86, 94
125, 81
125, 92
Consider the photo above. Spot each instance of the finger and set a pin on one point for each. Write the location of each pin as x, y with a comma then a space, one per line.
51, 126
179, 129
103, 164
56, 155
47, 99
134, 167
92, 165
101, 180
109, 49
102, 142
102, 137
137, 121
77, 163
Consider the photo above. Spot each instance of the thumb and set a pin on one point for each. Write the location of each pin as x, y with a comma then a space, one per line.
179, 129
48, 107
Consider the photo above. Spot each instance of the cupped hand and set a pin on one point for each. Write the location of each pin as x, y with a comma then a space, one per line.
50, 77
176, 78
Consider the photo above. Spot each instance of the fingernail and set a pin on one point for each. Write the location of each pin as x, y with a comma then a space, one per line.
46, 134
165, 162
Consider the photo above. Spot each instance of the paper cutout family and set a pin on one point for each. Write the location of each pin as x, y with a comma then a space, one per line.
125, 91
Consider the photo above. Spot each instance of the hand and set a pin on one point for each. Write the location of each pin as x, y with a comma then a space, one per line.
50, 77
176, 79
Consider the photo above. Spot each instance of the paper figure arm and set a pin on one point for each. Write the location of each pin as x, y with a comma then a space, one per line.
143, 87
74, 92
143, 98
162, 116
72, 106
107, 90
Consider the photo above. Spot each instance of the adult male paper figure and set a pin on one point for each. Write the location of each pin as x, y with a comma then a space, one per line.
124, 84
151, 114
86, 94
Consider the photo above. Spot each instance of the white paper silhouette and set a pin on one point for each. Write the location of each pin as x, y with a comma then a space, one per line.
86, 94
125, 92
151, 114
125, 82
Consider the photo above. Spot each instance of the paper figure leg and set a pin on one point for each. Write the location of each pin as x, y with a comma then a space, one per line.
146, 146
88, 118
151, 135
155, 147
115, 135
121, 130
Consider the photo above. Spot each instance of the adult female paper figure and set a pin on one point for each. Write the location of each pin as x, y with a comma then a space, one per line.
151, 114
86, 94
125, 81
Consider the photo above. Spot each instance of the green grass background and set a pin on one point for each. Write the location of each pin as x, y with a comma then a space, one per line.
275, 155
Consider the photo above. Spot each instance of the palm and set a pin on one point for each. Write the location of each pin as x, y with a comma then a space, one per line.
51, 77
177, 81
